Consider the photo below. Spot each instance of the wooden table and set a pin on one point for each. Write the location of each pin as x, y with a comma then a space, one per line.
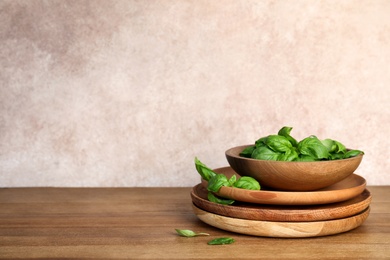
139, 223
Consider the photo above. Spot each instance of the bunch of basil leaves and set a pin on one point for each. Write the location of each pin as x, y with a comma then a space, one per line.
217, 180
284, 147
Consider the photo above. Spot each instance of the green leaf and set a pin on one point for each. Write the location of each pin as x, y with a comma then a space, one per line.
221, 241
261, 141
232, 180
340, 148
216, 182
305, 158
203, 170
265, 153
329, 144
189, 233
276, 148
333, 146
313, 147
352, 153
285, 131
218, 200
246, 182
278, 143
289, 156
247, 152
336, 156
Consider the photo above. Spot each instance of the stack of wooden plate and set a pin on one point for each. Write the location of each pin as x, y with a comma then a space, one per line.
270, 213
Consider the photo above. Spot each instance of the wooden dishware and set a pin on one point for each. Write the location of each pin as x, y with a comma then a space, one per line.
341, 191
292, 176
280, 212
282, 229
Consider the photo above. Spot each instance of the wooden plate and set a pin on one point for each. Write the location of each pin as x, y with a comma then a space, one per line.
282, 229
279, 212
341, 191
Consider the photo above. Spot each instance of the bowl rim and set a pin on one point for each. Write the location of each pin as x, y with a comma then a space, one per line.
228, 153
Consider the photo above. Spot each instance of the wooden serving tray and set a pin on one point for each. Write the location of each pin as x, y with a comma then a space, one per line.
282, 229
341, 191
279, 213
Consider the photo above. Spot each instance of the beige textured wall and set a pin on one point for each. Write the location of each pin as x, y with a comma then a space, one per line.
127, 93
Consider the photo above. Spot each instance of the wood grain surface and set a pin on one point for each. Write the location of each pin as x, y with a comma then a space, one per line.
140, 223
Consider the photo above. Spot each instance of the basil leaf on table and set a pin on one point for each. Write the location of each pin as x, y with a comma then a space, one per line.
189, 233
221, 241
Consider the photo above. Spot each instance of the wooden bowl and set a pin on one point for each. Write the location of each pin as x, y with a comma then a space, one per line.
292, 176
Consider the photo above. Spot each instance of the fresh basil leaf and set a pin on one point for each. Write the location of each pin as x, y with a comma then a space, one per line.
336, 156
352, 153
247, 152
261, 141
189, 233
265, 153
248, 183
275, 147
289, 156
278, 143
218, 200
285, 131
221, 241
305, 158
329, 144
333, 146
203, 170
312, 146
232, 180
340, 148
216, 182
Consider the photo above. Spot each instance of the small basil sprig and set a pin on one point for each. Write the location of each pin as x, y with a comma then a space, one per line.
217, 180
189, 233
215, 184
204, 171
221, 241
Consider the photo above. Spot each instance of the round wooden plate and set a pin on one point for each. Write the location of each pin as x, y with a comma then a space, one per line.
282, 229
341, 191
279, 212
